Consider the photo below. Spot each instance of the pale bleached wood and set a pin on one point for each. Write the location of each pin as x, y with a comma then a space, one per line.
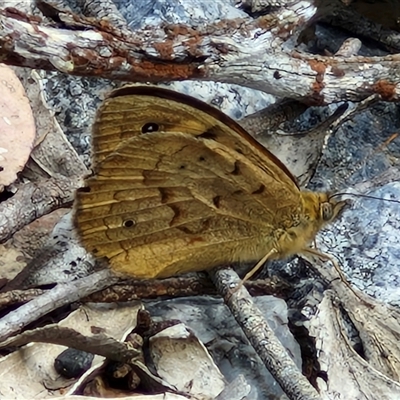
258, 53
32, 200
64, 293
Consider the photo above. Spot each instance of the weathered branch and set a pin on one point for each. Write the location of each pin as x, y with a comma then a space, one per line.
62, 294
242, 51
32, 200
262, 337
101, 344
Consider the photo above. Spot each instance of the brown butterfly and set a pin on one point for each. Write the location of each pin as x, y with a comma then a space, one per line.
178, 186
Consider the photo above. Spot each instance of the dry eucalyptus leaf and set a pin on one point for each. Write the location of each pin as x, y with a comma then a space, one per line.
377, 326
183, 361
17, 127
346, 372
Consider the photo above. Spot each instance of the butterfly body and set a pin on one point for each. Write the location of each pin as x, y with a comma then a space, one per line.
179, 187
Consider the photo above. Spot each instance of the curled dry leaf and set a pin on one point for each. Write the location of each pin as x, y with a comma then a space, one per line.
17, 127
183, 361
345, 371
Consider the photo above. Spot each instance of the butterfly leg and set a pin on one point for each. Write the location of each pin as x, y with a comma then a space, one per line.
255, 269
327, 257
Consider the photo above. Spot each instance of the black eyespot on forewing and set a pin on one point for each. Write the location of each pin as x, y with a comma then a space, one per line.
150, 127
129, 223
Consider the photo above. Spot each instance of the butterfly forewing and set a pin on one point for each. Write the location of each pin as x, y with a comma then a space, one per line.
177, 189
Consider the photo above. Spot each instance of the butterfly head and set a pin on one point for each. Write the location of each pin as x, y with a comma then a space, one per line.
318, 209
321, 208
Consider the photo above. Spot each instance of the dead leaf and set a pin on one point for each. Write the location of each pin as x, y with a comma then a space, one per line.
183, 361
344, 370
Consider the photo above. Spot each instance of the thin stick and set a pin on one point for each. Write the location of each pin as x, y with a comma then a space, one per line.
262, 337
63, 293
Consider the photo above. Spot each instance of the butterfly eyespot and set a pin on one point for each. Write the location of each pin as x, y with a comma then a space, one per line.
326, 211
182, 166
201, 158
129, 223
150, 127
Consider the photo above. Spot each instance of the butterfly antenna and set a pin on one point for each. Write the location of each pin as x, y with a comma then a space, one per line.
364, 196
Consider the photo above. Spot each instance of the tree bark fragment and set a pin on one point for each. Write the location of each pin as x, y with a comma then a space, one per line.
241, 51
